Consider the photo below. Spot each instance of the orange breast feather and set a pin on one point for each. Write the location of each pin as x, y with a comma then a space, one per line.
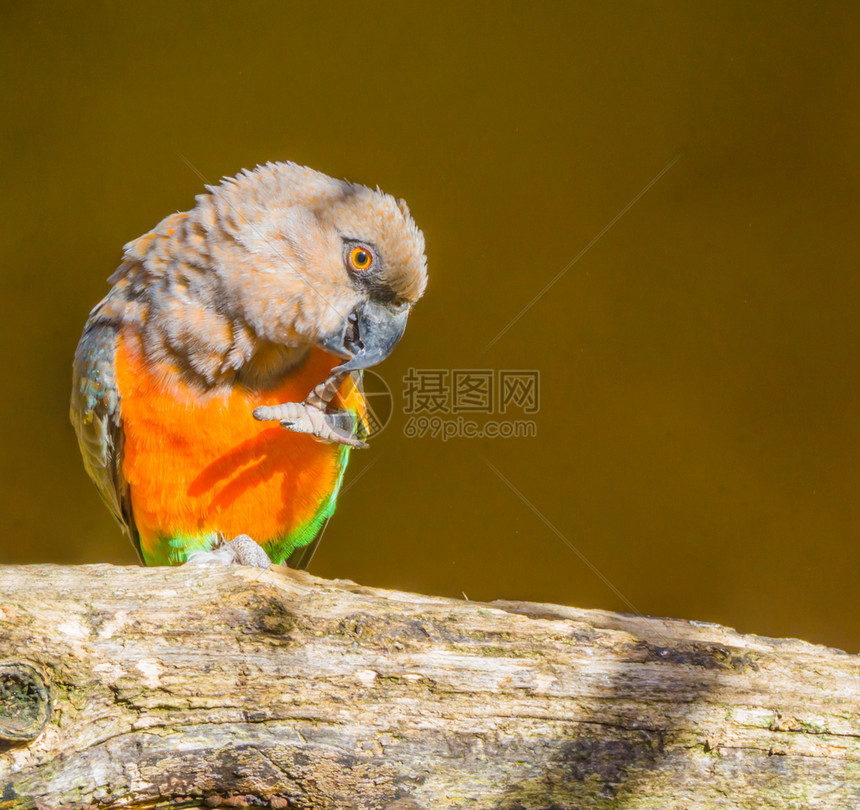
197, 465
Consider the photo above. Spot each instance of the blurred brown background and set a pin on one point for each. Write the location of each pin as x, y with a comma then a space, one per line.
697, 438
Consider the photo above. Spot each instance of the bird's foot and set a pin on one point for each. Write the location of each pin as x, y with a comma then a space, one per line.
308, 417
241, 550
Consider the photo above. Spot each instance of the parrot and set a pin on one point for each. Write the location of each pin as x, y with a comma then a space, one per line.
217, 387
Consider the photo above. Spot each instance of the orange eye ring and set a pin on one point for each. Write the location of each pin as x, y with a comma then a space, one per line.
360, 258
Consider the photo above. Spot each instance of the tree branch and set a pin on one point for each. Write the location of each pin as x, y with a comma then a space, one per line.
216, 686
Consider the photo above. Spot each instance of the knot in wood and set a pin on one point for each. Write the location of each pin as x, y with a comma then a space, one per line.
25, 703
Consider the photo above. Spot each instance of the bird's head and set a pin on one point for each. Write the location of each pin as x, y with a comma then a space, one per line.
305, 259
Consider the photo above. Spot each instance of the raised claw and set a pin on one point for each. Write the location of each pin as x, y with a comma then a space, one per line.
303, 417
323, 394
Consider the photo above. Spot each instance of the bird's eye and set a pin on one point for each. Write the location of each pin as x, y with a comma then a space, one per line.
360, 258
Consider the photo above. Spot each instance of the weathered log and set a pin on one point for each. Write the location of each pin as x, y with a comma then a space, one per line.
208, 685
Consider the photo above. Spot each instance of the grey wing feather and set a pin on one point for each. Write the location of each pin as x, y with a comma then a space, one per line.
96, 417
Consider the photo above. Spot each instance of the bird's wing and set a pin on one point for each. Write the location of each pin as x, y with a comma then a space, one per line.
95, 413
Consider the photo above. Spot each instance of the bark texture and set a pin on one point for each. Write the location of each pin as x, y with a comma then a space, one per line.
214, 686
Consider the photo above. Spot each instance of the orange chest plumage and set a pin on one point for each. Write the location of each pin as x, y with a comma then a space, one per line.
201, 465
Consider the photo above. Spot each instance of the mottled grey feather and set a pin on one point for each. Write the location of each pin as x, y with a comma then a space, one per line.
95, 411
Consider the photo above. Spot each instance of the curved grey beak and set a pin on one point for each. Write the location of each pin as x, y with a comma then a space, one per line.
377, 329
369, 335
